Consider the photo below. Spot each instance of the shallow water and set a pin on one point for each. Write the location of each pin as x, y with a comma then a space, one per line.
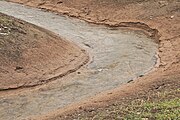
117, 56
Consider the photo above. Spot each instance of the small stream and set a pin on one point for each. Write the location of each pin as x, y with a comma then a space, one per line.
117, 56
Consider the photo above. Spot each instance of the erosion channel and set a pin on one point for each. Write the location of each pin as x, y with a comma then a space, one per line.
116, 56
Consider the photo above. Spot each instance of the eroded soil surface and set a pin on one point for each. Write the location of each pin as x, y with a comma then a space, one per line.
160, 15
117, 55
30, 55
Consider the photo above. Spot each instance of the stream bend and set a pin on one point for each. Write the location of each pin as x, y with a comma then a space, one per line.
118, 56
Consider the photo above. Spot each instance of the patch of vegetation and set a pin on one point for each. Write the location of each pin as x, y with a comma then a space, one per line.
161, 110
163, 104
8, 25
5, 25
5, 21
11, 35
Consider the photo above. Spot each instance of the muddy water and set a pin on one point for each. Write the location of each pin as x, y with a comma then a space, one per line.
117, 56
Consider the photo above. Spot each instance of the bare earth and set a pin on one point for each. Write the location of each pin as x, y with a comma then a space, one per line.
30, 55
163, 16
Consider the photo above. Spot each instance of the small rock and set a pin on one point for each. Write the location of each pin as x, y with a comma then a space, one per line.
100, 70
141, 75
138, 113
90, 110
80, 108
163, 3
3, 33
172, 17
59, 2
129, 81
5, 27
18, 68
150, 17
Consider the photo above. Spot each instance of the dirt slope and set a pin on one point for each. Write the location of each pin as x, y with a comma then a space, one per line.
30, 55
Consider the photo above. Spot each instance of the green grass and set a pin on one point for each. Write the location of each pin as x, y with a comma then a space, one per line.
166, 106
159, 106
165, 110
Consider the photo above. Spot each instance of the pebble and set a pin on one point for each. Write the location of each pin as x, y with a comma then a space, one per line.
172, 17
163, 3
3, 33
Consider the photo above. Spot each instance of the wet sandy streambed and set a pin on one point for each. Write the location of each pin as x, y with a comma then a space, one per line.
117, 56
